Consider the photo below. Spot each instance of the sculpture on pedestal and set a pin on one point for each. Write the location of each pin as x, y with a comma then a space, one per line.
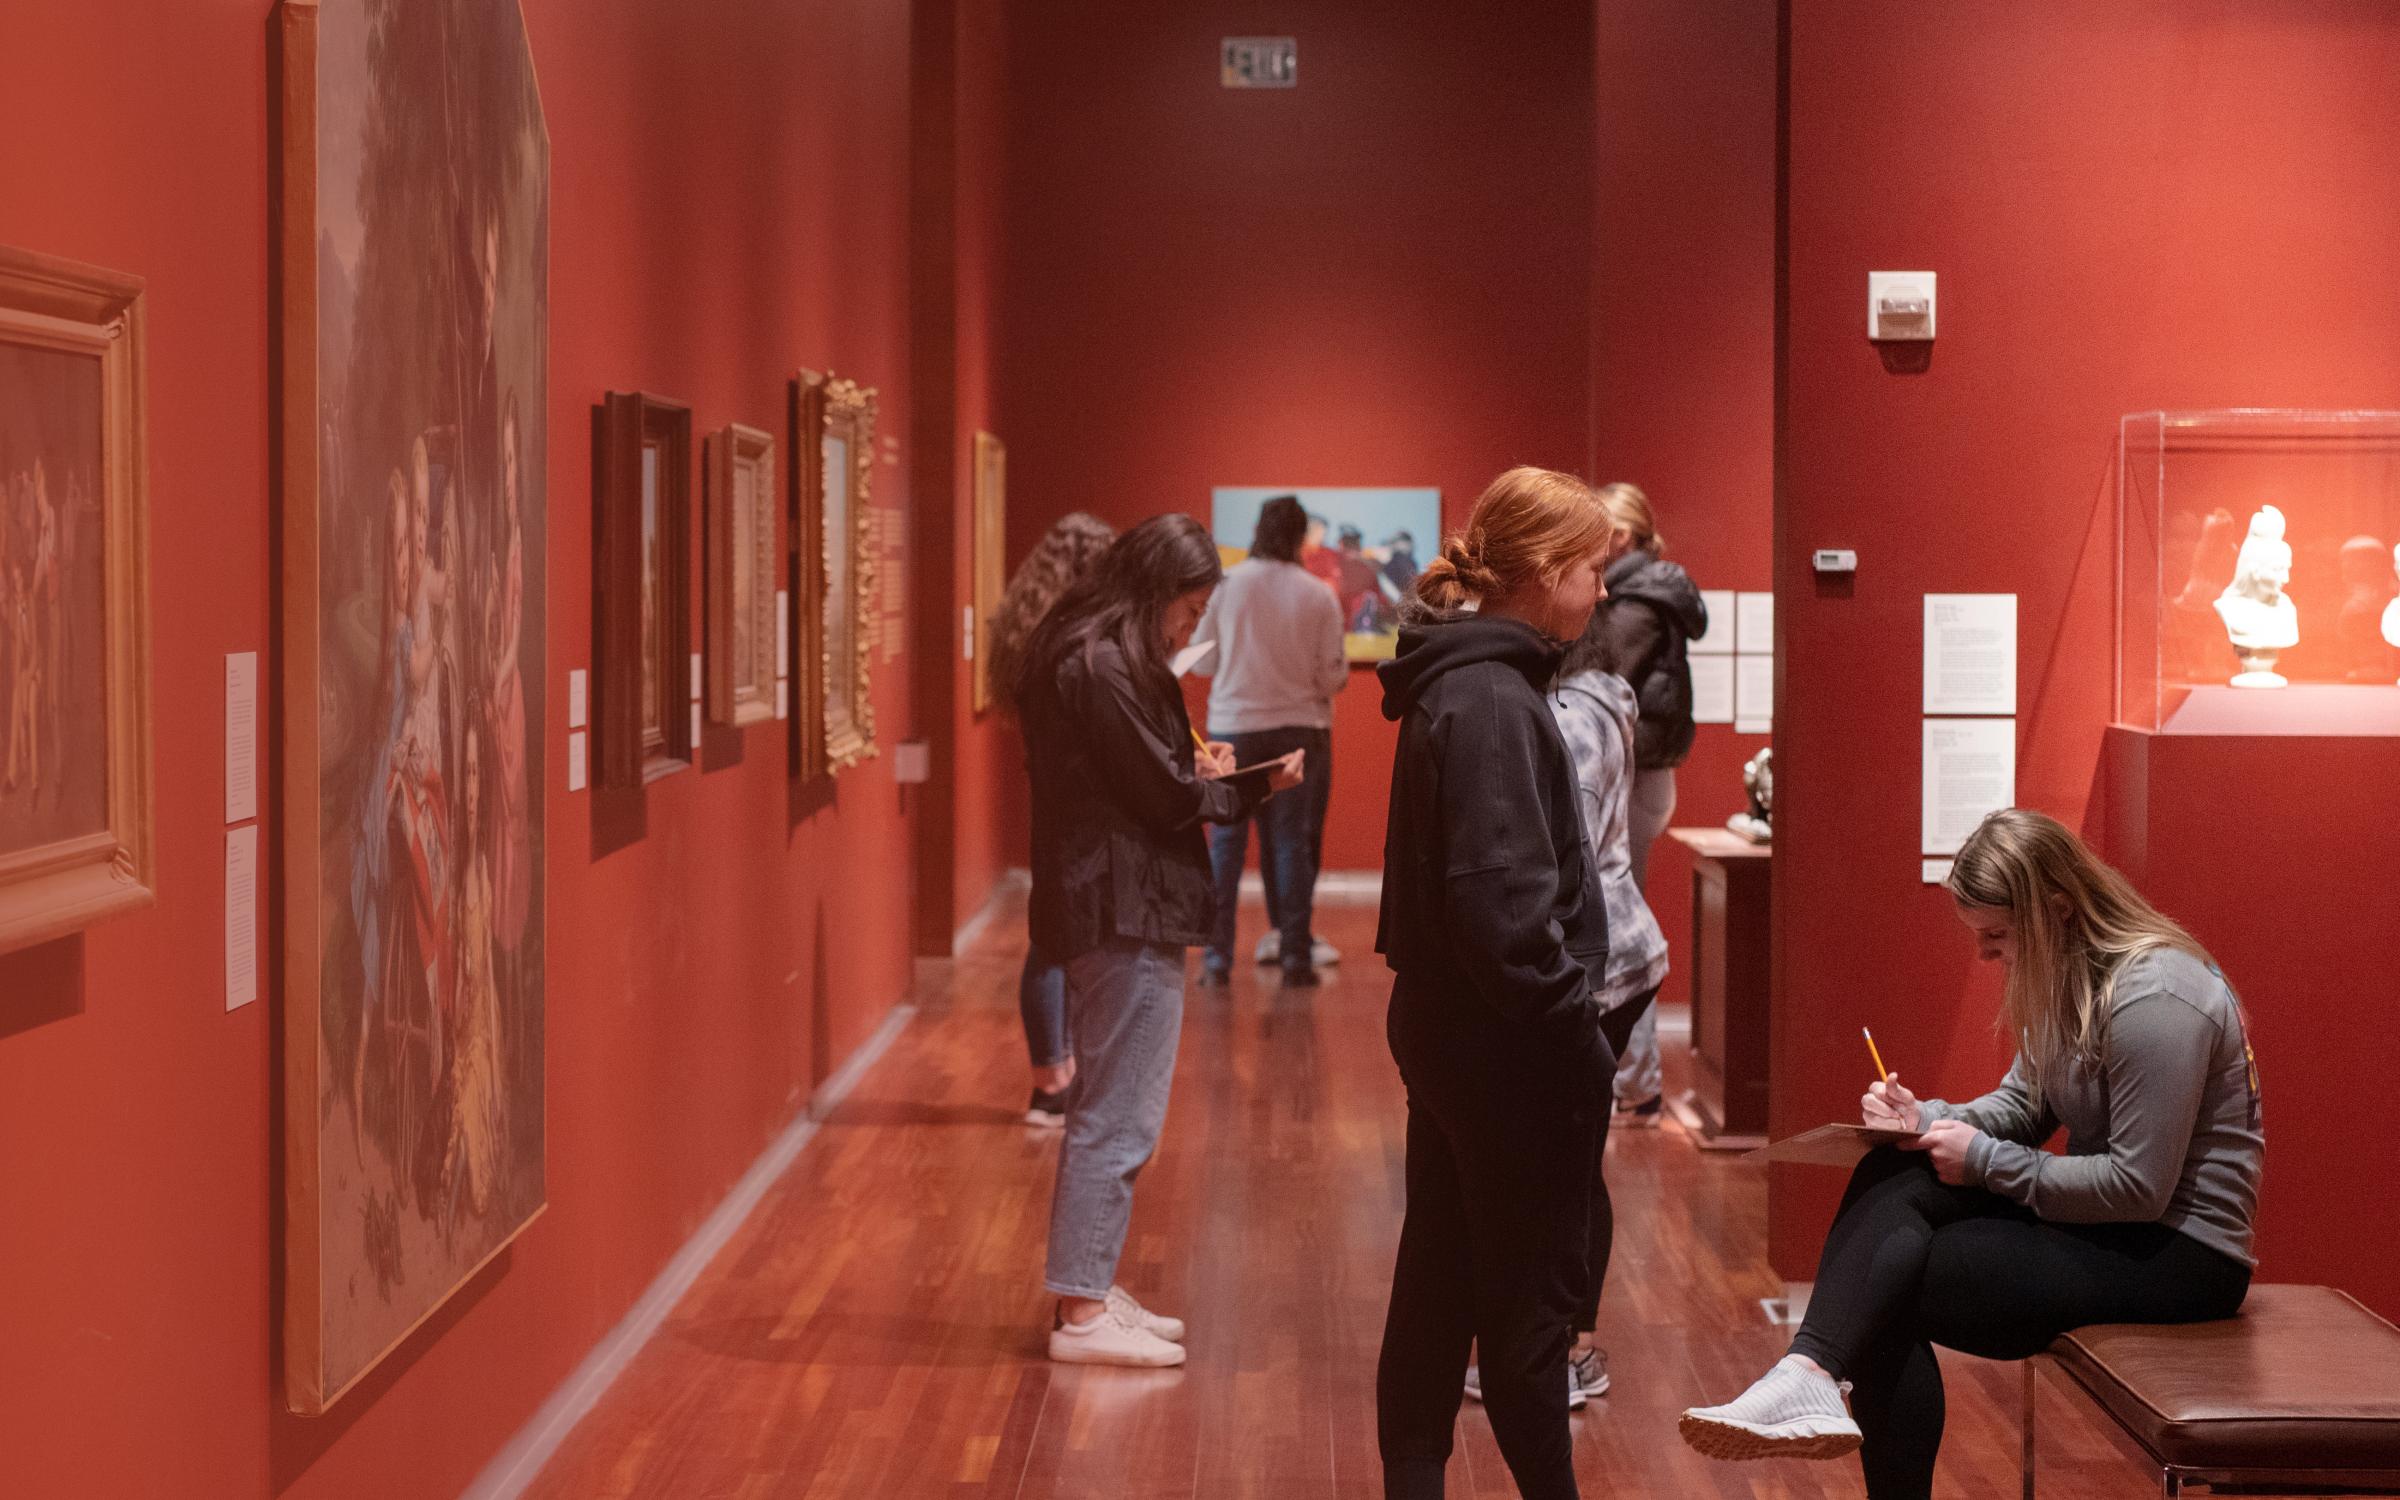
2391, 611
2369, 584
2260, 619
1758, 779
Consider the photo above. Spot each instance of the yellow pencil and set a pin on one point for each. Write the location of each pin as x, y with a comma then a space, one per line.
1882, 1074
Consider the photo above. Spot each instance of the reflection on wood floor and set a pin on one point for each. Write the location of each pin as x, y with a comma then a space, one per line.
877, 1328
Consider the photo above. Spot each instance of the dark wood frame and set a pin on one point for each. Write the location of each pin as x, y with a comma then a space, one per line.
62, 887
734, 697
628, 424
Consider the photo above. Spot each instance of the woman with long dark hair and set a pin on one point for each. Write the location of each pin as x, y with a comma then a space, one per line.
1972, 1236
1065, 555
1494, 927
1121, 887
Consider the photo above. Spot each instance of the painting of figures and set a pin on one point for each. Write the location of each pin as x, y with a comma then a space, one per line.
74, 683
53, 716
1366, 544
415, 288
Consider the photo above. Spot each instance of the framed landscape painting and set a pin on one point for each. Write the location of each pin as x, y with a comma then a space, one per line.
1364, 544
75, 826
412, 292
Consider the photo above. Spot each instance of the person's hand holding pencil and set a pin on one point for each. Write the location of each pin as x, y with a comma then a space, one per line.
1886, 1105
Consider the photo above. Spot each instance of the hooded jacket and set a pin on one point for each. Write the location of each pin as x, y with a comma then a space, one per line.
1485, 883
1654, 612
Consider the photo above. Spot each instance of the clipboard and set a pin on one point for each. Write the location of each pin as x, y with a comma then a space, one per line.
1257, 774
1831, 1145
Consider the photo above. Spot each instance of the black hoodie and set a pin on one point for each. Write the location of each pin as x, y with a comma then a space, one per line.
1654, 612
1484, 881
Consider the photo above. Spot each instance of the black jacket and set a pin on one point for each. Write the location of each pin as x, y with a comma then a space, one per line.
1117, 847
1653, 612
1485, 886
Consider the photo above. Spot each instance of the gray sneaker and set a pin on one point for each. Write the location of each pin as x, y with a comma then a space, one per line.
1587, 1376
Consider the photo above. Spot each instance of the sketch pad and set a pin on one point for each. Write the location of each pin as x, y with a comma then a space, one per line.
1831, 1145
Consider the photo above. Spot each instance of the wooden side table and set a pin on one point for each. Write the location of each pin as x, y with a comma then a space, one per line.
1726, 1107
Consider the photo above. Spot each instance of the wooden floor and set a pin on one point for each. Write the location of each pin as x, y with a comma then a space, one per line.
876, 1330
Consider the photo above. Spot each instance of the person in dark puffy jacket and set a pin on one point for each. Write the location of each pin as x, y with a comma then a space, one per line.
1493, 925
1653, 614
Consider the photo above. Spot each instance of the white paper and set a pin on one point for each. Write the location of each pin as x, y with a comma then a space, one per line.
241, 736
1712, 689
576, 773
1970, 653
241, 916
578, 699
783, 632
1937, 870
1970, 770
696, 681
1192, 656
1754, 622
966, 633
783, 697
1717, 639
1753, 693
695, 742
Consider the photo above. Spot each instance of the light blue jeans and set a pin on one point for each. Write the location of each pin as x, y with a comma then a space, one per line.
1650, 808
1125, 1011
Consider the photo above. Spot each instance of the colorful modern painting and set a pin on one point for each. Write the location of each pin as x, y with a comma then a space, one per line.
414, 304
1366, 544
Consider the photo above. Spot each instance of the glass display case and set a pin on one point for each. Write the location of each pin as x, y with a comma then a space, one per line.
2256, 576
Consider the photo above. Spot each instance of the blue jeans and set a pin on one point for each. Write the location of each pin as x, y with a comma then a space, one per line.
1291, 831
1125, 1003
1042, 1004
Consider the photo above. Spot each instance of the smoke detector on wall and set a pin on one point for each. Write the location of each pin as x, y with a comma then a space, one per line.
1900, 306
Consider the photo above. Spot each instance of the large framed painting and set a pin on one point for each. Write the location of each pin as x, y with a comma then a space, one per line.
75, 828
741, 576
991, 555
833, 438
641, 589
1364, 543
412, 291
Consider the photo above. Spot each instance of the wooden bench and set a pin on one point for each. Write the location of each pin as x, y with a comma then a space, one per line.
2301, 1390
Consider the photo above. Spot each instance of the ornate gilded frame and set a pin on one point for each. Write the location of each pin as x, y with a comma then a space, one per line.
740, 575
64, 886
991, 555
834, 570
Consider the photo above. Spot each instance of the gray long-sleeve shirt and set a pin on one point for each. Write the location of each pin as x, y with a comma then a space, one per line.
2166, 1128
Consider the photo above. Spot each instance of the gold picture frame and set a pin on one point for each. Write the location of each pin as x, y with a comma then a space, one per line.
845, 443
991, 555
76, 838
740, 549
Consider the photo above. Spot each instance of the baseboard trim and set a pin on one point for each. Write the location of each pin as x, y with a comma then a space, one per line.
1010, 883
523, 1458
1342, 887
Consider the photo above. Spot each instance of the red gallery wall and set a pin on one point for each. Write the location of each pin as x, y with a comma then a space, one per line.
729, 202
1683, 317
1377, 278
2130, 206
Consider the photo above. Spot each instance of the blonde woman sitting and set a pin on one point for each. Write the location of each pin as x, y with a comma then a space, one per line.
1975, 1238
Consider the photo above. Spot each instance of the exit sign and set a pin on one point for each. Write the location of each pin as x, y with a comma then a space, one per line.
1259, 62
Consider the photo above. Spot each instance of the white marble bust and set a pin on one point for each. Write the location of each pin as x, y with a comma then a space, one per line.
2259, 617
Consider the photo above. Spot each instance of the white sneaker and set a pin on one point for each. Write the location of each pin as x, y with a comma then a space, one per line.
1792, 1411
1321, 953
1587, 1376
1111, 1339
1121, 1301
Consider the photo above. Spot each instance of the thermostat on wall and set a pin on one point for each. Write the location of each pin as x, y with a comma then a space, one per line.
1834, 560
1900, 305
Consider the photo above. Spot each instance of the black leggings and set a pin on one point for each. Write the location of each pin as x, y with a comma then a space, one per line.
1504, 1136
1617, 1026
1910, 1263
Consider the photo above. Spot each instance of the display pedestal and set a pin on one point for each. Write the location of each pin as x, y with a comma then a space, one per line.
1726, 1107
2281, 853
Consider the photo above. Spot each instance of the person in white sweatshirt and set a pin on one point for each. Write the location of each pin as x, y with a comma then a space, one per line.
1277, 666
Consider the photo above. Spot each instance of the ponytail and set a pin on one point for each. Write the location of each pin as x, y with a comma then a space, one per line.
1529, 525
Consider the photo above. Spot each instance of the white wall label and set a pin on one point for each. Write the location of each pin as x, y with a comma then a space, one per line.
576, 770
241, 916
241, 736
578, 698
1754, 622
1753, 694
1970, 770
1712, 689
1970, 653
1717, 639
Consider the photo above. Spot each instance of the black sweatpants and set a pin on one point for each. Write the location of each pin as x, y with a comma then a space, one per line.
1504, 1136
1911, 1262
1601, 1239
